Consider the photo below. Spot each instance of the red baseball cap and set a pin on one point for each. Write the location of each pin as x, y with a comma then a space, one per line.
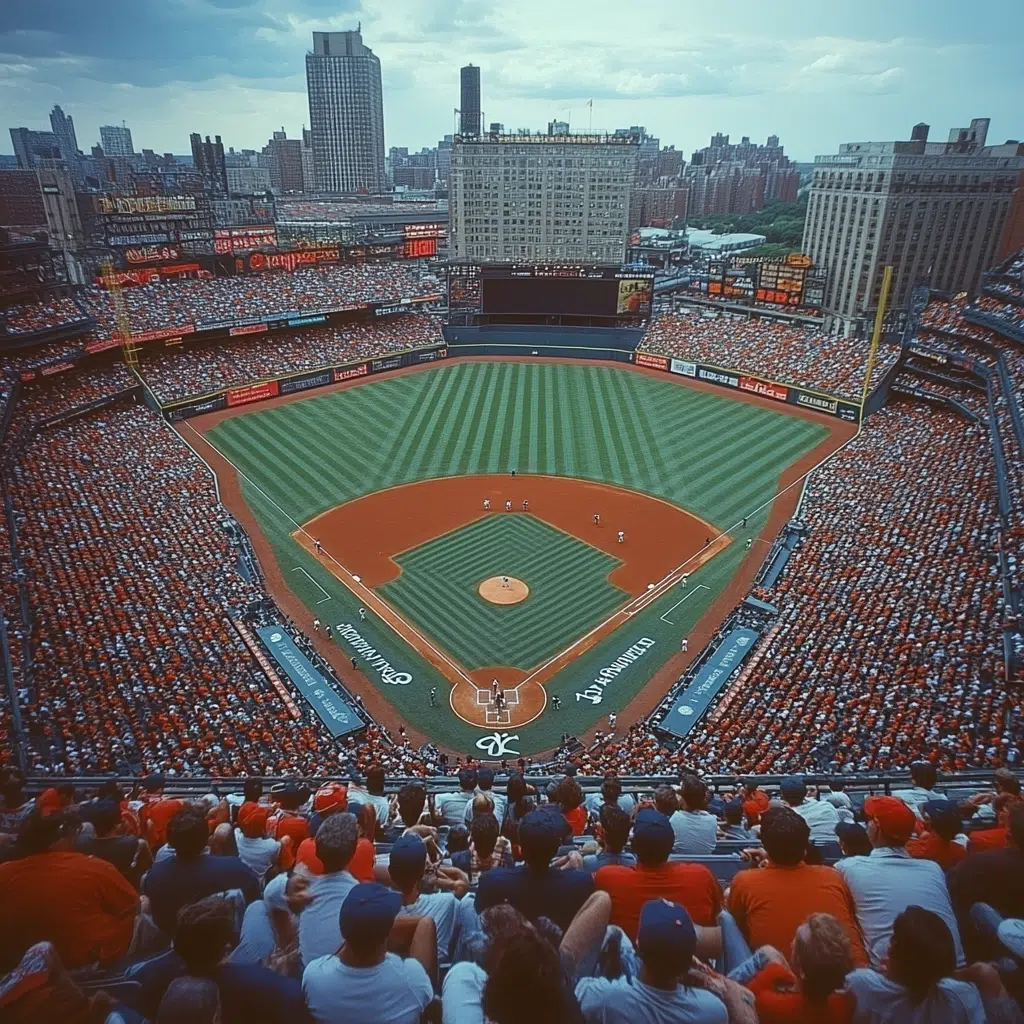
894, 817
331, 797
252, 819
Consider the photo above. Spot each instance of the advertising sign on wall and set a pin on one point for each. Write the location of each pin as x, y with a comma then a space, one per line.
654, 362
248, 329
682, 367
349, 372
252, 393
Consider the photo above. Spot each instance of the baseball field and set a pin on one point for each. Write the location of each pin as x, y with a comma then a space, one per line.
388, 508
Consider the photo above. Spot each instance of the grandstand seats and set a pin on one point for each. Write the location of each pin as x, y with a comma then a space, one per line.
49, 314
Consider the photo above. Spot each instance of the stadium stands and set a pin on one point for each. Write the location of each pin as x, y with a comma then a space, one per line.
48, 315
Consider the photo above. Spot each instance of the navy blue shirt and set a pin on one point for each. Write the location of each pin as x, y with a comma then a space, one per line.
172, 884
555, 894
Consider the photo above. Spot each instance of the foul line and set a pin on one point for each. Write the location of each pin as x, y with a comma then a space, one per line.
664, 618
351, 582
327, 596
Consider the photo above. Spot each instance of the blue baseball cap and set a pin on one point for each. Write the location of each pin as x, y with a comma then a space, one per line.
794, 785
484, 777
408, 854
541, 824
368, 913
666, 933
467, 777
652, 834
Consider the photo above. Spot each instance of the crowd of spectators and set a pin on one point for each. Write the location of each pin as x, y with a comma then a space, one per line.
330, 902
768, 348
1010, 314
53, 397
168, 304
183, 371
48, 314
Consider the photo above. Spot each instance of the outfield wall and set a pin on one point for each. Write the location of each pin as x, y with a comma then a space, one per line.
618, 343
737, 380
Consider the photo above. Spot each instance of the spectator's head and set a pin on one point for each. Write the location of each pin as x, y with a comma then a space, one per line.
793, 790
482, 803
458, 839
666, 941
822, 956
611, 788
524, 979
467, 780
330, 799
516, 788
733, 812
222, 841
1002, 805
366, 918
615, 825
837, 785
12, 790
190, 1001
289, 795
105, 816
749, 787
1006, 782
484, 832
540, 835
666, 801
890, 821
853, 839
1016, 824
252, 820
652, 837
252, 790
485, 778
923, 774
375, 780
569, 794
336, 841
154, 784
408, 862
39, 832
412, 798
205, 933
784, 835
942, 818
921, 952
693, 792
188, 832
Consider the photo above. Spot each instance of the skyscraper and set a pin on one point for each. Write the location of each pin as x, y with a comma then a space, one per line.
64, 129
116, 140
469, 106
346, 113
208, 158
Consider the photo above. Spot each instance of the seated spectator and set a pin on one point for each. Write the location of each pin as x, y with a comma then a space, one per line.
938, 841
190, 1001
666, 943
485, 787
654, 877
406, 867
373, 794
191, 873
331, 798
889, 880
14, 807
83, 905
769, 904
129, 854
518, 803
610, 793
487, 849
361, 982
734, 830
1003, 781
452, 806
755, 801
853, 839
612, 833
256, 850
535, 888
916, 983
287, 821
819, 814
54, 799
996, 838
569, 797
925, 777
156, 811
836, 796
695, 829
806, 991
411, 803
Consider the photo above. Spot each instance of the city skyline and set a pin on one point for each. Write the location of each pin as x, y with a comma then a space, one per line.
815, 77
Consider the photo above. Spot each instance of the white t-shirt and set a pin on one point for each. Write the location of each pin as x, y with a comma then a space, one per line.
452, 806
443, 907
256, 854
394, 992
822, 818
319, 931
624, 1002
695, 832
881, 1001
462, 994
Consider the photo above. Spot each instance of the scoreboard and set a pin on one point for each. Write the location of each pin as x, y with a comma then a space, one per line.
792, 282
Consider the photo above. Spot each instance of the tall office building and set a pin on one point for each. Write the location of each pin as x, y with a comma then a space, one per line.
208, 158
469, 102
935, 211
63, 126
346, 113
529, 198
283, 159
31, 146
116, 140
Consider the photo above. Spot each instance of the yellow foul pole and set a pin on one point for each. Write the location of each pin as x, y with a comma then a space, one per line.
876, 335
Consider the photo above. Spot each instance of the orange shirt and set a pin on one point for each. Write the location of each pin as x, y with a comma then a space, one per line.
691, 885
778, 1002
154, 816
577, 819
929, 846
770, 903
81, 904
360, 866
988, 839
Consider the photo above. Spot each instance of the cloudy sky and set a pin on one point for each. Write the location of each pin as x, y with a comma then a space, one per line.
815, 74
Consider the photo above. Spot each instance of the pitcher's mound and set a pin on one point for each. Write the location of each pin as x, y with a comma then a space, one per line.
503, 590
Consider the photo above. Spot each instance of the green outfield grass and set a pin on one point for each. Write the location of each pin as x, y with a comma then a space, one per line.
710, 454
568, 581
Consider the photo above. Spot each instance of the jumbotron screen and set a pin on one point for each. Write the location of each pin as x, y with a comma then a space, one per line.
510, 292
